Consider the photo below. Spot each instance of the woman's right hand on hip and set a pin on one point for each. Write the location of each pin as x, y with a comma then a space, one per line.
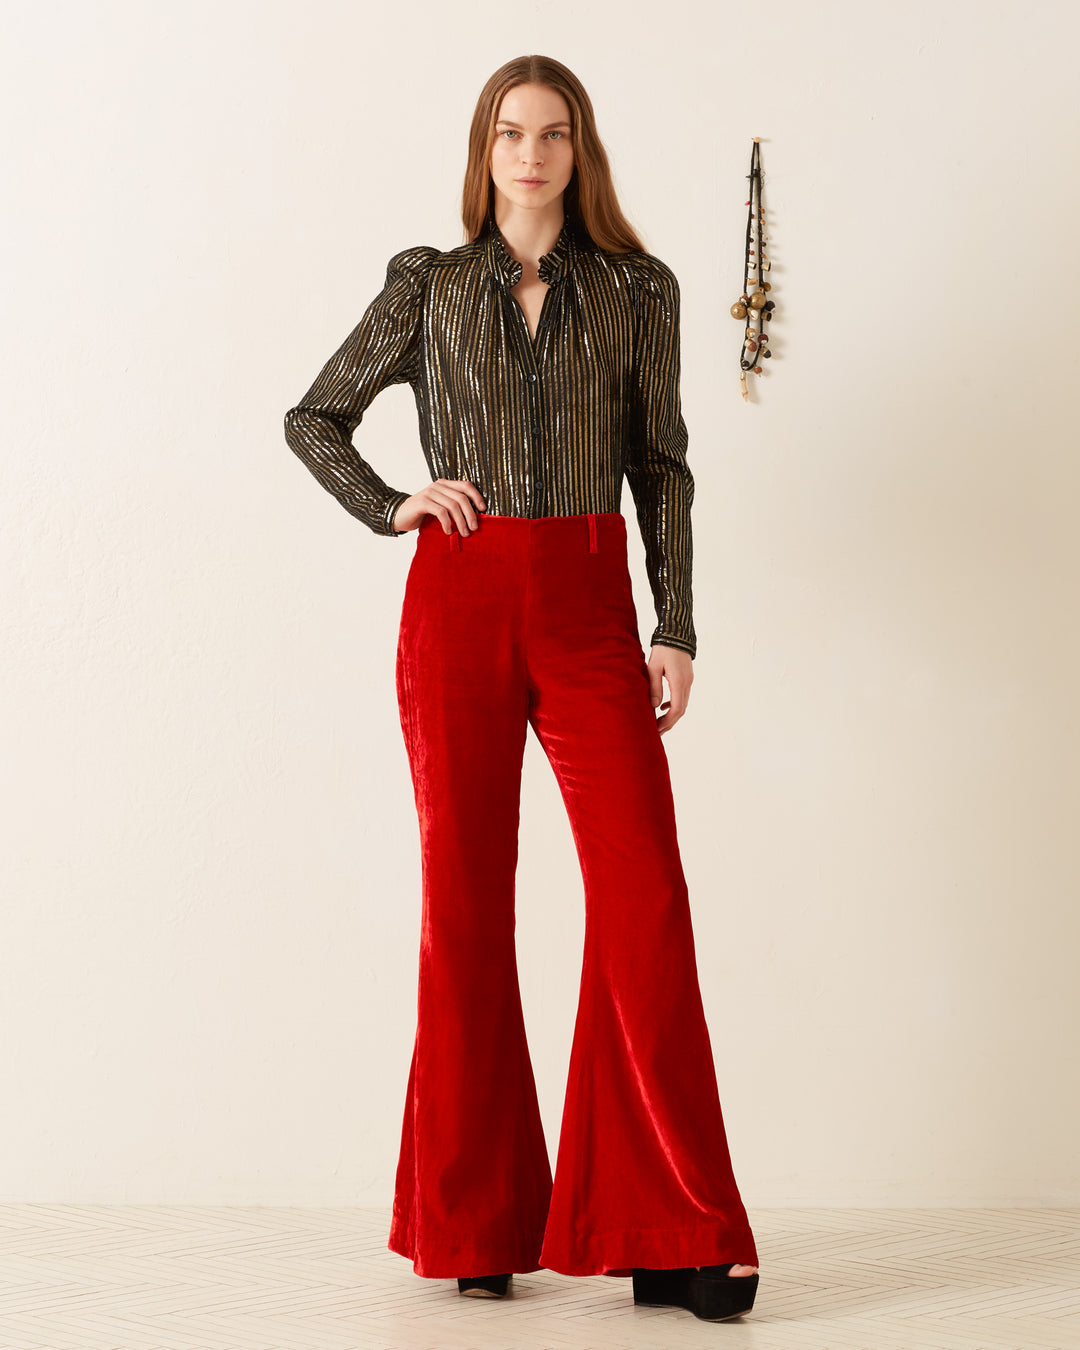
455, 501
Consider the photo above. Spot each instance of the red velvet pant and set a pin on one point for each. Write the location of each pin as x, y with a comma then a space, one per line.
533, 622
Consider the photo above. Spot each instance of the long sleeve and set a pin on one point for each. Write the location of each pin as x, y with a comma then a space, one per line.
381, 350
660, 479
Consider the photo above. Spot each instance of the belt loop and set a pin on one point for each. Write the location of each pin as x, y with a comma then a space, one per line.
455, 541
592, 533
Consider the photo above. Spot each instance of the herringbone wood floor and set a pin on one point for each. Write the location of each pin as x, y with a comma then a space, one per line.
87, 1277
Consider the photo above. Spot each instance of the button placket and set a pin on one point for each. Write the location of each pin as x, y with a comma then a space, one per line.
532, 389
531, 349
536, 351
530, 352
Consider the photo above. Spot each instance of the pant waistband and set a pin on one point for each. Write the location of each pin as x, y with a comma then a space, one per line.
590, 526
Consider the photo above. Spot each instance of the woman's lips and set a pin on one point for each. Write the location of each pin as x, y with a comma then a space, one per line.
531, 182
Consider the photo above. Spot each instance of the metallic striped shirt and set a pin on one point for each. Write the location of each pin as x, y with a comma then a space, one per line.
545, 425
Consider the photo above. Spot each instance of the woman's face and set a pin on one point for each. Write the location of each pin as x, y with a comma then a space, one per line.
532, 159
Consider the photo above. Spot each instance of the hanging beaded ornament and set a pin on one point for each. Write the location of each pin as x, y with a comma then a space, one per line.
754, 305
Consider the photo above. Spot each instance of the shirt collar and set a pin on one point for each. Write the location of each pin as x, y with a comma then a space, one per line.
555, 265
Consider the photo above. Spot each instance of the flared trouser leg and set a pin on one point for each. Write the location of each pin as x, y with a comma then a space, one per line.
473, 1177
533, 622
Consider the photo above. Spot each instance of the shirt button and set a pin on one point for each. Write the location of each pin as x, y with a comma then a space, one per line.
536, 431
531, 376
539, 484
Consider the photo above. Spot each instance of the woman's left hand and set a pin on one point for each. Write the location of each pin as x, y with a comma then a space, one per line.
677, 667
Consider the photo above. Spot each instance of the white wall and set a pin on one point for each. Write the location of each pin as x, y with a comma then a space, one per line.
211, 872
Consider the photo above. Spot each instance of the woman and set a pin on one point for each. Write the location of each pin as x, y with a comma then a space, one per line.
544, 358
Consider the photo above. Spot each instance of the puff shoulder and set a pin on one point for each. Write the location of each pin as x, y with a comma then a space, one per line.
652, 280
411, 266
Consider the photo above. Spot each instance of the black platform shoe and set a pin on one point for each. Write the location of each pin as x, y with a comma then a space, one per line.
709, 1292
483, 1286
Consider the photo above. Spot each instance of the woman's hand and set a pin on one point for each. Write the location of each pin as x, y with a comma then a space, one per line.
454, 500
677, 667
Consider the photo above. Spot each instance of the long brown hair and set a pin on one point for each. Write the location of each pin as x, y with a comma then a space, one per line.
589, 200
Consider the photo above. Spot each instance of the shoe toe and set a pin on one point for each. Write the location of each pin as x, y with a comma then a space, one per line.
483, 1286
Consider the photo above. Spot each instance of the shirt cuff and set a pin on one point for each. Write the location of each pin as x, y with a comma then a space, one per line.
391, 511
659, 639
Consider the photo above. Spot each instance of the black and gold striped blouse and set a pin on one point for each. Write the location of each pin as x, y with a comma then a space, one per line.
543, 426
